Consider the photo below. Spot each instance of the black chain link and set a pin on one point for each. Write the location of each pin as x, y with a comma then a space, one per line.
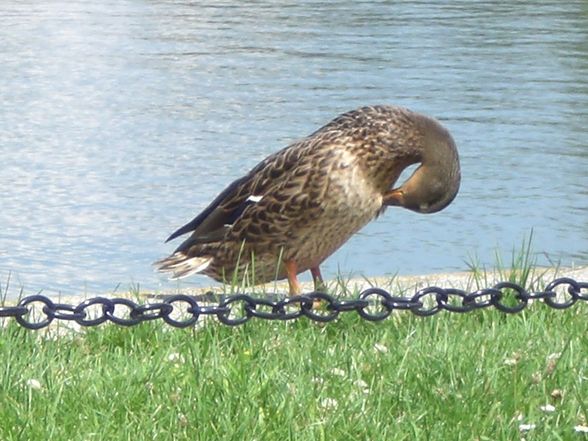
373, 304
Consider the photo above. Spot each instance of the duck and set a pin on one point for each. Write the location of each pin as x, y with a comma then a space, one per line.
299, 205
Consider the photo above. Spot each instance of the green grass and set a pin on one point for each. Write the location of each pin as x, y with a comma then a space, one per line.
475, 376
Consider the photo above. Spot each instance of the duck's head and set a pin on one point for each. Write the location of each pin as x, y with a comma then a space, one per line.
435, 183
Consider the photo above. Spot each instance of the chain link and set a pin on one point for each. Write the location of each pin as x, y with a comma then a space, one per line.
372, 304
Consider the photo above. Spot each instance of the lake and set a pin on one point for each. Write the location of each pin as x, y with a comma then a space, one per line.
121, 120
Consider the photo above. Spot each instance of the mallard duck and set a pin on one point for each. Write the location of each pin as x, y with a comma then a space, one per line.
300, 204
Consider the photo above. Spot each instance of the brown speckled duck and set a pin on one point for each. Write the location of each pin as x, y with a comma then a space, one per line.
299, 205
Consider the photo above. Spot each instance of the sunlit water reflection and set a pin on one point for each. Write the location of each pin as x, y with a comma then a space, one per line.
122, 119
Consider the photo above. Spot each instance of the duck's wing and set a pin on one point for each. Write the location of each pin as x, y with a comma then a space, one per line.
214, 217
215, 220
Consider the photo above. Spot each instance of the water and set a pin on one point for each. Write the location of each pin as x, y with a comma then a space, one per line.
120, 120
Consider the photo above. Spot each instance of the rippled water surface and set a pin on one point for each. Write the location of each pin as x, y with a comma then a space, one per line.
120, 120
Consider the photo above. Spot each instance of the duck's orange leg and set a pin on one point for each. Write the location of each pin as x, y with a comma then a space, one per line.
317, 278
291, 271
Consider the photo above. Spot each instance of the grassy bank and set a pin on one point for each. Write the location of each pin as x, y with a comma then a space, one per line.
477, 376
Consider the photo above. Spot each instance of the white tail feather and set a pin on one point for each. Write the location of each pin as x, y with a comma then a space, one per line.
180, 265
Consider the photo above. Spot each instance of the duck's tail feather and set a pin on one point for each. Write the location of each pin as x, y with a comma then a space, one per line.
181, 265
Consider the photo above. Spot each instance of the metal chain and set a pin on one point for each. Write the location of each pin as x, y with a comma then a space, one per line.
373, 304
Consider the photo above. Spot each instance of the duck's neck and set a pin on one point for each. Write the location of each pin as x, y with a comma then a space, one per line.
434, 184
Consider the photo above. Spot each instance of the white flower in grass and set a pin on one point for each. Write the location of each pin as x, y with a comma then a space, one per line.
581, 429
379, 347
292, 388
526, 427
513, 360
338, 372
547, 408
362, 385
34, 384
536, 377
175, 356
551, 362
328, 403
557, 394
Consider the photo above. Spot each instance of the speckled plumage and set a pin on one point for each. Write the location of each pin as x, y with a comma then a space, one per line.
303, 202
